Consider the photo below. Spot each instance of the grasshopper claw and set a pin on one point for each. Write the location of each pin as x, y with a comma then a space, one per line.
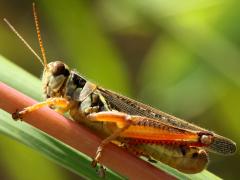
17, 115
98, 155
94, 163
101, 171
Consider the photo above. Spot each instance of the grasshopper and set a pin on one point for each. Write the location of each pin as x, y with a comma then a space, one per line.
139, 128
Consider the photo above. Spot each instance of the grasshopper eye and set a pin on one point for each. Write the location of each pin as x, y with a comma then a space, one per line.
60, 69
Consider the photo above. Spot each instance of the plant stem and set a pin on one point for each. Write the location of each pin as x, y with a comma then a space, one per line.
78, 137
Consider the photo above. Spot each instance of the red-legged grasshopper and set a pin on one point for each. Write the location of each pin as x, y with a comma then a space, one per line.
138, 128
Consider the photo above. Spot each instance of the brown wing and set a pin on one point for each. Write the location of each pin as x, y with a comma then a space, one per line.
220, 145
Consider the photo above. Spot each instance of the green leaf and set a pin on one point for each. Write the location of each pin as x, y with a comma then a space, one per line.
200, 176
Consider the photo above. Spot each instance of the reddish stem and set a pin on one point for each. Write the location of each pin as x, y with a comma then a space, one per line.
78, 137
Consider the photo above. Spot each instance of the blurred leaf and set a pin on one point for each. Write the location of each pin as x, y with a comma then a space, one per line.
231, 114
88, 47
201, 39
179, 76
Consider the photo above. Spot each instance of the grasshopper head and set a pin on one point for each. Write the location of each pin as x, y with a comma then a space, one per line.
56, 73
54, 79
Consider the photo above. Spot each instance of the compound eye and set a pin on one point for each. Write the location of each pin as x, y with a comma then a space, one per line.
59, 69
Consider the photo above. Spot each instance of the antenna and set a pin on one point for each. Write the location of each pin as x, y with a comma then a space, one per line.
25, 42
39, 35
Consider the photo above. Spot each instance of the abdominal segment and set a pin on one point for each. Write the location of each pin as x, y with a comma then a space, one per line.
183, 158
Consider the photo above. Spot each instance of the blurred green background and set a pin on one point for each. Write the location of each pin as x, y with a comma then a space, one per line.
182, 57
